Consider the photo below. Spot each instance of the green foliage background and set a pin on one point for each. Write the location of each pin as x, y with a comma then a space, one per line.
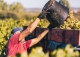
15, 15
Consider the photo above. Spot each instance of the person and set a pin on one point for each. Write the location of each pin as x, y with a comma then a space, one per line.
16, 43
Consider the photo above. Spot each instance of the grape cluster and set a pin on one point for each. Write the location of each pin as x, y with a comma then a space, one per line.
70, 23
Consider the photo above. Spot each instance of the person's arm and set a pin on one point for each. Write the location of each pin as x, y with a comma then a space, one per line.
37, 39
32, 26
29, 29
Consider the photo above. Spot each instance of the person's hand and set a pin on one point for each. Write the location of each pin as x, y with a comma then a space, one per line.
42, 15
50, 27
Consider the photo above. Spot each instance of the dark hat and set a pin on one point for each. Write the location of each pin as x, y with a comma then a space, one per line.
16, 29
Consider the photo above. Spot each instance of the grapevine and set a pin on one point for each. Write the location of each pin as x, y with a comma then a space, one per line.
70, 23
